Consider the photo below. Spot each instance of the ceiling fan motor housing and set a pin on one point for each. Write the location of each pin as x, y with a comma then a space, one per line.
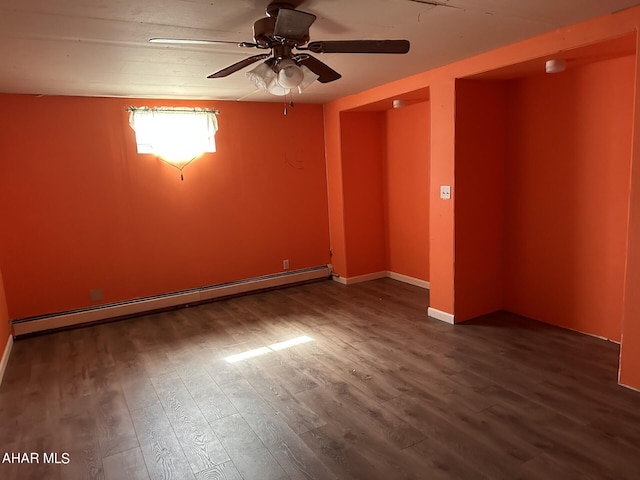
263, 33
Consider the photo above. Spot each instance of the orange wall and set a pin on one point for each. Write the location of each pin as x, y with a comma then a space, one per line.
407, 190
382, 185
481, 108
441, 84
335, 191
518, 141
5, 331
85, 211
363, 151
567, 195
629, 373
441, 219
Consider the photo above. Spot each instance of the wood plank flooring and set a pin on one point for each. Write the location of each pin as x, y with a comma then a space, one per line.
380, 392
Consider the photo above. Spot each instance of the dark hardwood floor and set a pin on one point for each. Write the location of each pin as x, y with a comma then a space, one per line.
381, 392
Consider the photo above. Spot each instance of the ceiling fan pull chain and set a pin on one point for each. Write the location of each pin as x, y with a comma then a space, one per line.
290, 104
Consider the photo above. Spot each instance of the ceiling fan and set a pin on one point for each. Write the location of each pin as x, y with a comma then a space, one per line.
280, 32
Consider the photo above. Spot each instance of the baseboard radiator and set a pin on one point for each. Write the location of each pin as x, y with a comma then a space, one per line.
43, 323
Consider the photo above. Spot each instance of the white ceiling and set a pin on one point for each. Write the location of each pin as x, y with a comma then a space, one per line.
100, 47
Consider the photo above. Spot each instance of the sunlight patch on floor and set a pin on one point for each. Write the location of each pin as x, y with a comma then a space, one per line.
271, 348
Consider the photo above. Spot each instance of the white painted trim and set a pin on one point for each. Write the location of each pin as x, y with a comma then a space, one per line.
410, 280
5, 357
629, 387
600, 337
361, 278
440, 315
165, 301
339, 279
383, 274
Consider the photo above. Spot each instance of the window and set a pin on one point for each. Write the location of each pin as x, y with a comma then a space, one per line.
176, 135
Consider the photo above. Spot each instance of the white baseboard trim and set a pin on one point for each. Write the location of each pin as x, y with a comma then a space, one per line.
440, 315
410, 280
629, 387
5, 357
383, 274
360, 278
587, 333
339, 279
105, 312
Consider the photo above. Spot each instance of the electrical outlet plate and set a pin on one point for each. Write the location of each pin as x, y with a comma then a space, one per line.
445, 192
285, 264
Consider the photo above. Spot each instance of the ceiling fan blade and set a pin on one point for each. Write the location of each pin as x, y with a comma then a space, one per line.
325, 73
238, 66
198, 41
293, 24
360, 46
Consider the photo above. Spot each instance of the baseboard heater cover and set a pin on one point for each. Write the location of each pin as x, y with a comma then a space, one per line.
108, 311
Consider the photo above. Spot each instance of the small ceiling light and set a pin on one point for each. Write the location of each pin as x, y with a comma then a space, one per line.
555, 65
398, 104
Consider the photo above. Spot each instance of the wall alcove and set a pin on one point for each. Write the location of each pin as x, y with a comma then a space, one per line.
542, 183
385, 174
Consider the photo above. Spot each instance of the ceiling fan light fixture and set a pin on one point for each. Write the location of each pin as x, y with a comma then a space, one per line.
266, 80
290, 75
262, 76
308, 80
275, 89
